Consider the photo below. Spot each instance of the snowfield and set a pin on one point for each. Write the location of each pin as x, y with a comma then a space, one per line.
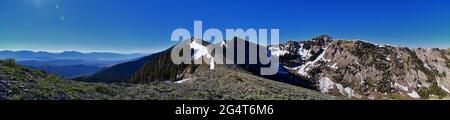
276, 51
183, 81
303, 69
401, 87
334, 66
200, 51
303, 52
325, 84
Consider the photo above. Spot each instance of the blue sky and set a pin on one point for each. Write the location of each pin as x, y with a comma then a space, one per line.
145, 26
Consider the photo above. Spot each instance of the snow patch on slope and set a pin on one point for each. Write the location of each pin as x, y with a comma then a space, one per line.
414, 94
223, 43
378, 45
401, 87
211, 64
351, 93
277, 51
201, 51
325, 84
183, 81
369, 42
347, 91
303, 69
334, 66
340, 88
443, 87
305, 54
426, 65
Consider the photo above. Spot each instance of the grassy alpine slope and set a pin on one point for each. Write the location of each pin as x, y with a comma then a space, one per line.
23, 83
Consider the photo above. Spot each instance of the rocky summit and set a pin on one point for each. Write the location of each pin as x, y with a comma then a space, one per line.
363, 70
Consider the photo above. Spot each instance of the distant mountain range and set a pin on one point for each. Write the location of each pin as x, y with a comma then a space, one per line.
69, 68
66, 55
68, 64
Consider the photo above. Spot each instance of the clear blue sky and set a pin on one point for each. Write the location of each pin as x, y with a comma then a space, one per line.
145, 25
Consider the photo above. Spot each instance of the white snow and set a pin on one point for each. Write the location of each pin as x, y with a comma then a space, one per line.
183, 81
384, 45
223, 43
414, 94
391, 45
371, 97
201, 51
379, 45
426, 65
419, 85
340, 88
388, 59
351, 93
366, 42
303, 70
334, 66
443, 87
401, 87
276, 51
180, 75
325, 84
211, 64
303, 52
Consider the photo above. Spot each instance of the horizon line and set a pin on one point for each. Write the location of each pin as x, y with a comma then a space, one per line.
80, 51
148, 52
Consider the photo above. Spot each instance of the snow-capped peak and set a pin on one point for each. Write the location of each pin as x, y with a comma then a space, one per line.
200, 51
